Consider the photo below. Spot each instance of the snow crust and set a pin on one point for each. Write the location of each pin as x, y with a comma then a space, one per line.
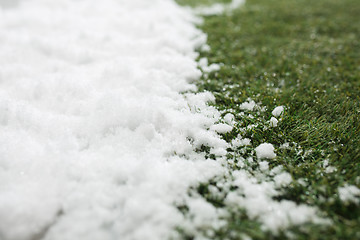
96, 140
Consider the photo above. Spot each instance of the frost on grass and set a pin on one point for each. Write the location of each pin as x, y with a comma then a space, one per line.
96, 140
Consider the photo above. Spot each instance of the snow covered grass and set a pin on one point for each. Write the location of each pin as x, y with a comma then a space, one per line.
105, 136
303, 56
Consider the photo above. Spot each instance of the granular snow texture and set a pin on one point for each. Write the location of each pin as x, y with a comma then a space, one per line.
96, 140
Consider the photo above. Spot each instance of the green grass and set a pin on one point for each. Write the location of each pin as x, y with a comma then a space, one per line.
304, 55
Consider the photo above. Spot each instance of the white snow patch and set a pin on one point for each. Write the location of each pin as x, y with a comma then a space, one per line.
248, 105
273, 122
206, 68
263, 166
221, 128
229, 118
239, 142
202, 212
218, 8
283, 179
265, 150
276, 170
91, 115
218, 151
278, 111
257, 199
330, 169
205, 48
349, 193
285, 145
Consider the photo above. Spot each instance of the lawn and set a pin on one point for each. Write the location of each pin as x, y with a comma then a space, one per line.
303, 55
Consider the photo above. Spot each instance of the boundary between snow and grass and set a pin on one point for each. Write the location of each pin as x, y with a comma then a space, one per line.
97, 141
249, 185
298, 71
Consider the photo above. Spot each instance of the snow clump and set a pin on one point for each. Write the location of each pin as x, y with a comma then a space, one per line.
239, 142
263, 166
283, 179
229, 118
278, 111
221, 128
349, 193
248, 105
257, 198
273, 122
265, 150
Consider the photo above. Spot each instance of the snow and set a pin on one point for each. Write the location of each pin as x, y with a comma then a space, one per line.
248, 105
330, 169
327, 167
95, 134
239, 142
206, 68
218, 8
273, 122
265, 150
283, 179
221, 128
229, 118
285, 146
349, 193
100, 126
278, 111
257, 199
264, 166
